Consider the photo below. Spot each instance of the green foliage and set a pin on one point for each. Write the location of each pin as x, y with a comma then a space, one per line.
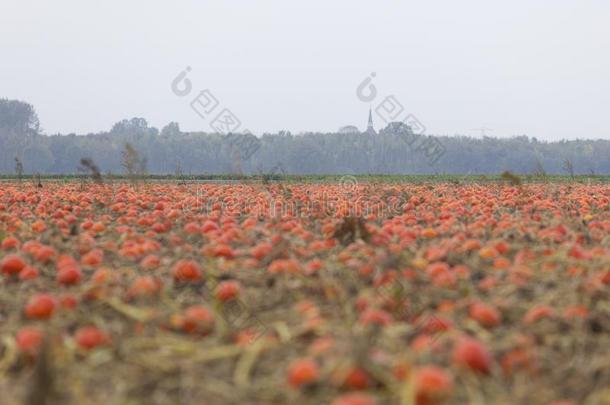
511, 178
134, 165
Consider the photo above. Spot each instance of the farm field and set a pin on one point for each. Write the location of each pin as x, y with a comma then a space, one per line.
337, 292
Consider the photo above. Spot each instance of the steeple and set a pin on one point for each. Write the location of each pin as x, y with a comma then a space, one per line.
369, 128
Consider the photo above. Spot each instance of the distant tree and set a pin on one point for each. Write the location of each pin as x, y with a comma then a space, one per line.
396, 149
131, 161
36, 154
178, 172
18, 168
134, 129
18, 117
568, 166
396, 128
38, 180
171, 129
349, 129
132, 125
539, 169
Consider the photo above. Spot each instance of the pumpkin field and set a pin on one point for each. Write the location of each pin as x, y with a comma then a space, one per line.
315, 292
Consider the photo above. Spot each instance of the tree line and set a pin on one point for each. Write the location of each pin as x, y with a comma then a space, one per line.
394, 150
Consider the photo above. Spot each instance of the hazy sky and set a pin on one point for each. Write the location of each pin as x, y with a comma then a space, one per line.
534, 67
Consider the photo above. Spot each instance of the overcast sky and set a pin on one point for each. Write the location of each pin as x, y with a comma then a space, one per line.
534, 67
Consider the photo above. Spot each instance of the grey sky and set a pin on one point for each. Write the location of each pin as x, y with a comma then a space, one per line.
540, 68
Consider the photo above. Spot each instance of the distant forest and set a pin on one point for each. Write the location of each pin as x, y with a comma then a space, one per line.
394, 150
